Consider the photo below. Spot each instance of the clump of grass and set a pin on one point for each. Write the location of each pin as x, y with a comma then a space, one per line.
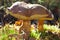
6, 31
35, 34
50, 33
51, 28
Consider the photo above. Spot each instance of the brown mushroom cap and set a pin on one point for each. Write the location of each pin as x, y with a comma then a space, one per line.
26, 11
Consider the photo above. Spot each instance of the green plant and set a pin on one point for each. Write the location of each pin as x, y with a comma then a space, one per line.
6, 31
35, 34
51, 28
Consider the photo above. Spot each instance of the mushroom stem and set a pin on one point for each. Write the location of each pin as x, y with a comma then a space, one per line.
27, 25
40, 25
26, 29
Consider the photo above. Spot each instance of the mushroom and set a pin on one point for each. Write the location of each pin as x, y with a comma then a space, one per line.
27, 12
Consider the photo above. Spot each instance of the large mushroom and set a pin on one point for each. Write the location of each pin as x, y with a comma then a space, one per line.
27, 12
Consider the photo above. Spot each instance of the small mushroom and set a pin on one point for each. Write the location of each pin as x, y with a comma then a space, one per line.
27, 12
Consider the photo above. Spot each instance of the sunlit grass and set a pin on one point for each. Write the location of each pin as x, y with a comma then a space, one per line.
52, 28
6, 30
